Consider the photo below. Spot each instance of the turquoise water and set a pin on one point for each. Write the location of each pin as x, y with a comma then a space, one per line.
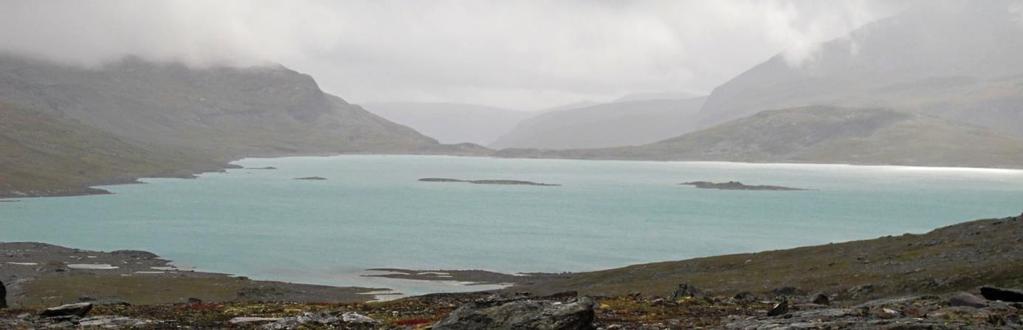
372, 212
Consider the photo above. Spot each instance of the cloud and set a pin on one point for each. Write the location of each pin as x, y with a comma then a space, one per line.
518, 54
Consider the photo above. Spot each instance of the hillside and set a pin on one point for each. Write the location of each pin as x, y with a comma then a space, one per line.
451, 122
42, 154
135, 118
604, 125
954, 59
824, 135
957, 257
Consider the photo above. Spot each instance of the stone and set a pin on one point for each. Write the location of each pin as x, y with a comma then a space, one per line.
521, 314
114, 322
821, 299
781, 308
3, 295
745, 296
356, 318
685, 290
79, 309
967, 300
1007, 295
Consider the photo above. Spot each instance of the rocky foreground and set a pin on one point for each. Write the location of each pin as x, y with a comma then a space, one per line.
966, 276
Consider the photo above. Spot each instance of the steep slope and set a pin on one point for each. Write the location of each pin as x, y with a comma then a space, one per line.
604, 125
956, 59
451, 122
227, 111
42, 154
825, 135
71, 126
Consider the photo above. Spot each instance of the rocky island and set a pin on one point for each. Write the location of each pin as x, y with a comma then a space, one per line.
312, 178
497, 182
735, 185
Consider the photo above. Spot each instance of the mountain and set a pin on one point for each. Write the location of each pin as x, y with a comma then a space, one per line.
451, 122
604, 125
166, 117
657, 96
954, 59
823, 134
41, 154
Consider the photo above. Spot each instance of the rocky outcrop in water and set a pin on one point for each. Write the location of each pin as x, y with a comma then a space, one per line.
734, 185
521, 314
497, 182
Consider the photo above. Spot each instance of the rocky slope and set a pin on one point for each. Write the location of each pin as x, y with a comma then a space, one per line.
138, 118
955, 59
630, 122
451, 122
825, 135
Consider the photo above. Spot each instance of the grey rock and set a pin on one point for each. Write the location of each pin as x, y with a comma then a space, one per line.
113, 322
521, 314
356, 318
79, 309
966, 299
781, 308
685, 290
1008, 295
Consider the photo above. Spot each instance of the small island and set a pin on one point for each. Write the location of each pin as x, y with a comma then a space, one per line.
735, 185
261, 168
312, 178
499, 182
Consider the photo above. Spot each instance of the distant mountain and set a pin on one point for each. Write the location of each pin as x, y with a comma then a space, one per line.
657, 96
451, 122
604, 125
144, 112
955, 59
824, 135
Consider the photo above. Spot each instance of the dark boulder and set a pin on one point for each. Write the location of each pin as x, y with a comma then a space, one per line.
822, 299
521, 314
685, 290
3, 295
79, 309
1008, 295
967, 300
781, 308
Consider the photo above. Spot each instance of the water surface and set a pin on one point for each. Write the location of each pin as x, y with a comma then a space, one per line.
372, 212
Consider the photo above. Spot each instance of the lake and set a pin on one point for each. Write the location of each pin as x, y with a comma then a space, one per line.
372, 212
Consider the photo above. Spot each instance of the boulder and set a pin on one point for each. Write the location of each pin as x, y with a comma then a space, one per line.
1007, 295
79, 309
685, 290
521, 314
822, 299
781, 308
3, 295
356, 318
967, 300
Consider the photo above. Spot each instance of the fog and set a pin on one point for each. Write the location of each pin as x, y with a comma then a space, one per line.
514, 54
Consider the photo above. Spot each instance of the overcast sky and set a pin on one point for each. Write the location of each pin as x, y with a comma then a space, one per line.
514, 54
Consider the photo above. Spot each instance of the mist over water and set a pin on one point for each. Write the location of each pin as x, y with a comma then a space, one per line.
372, 212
